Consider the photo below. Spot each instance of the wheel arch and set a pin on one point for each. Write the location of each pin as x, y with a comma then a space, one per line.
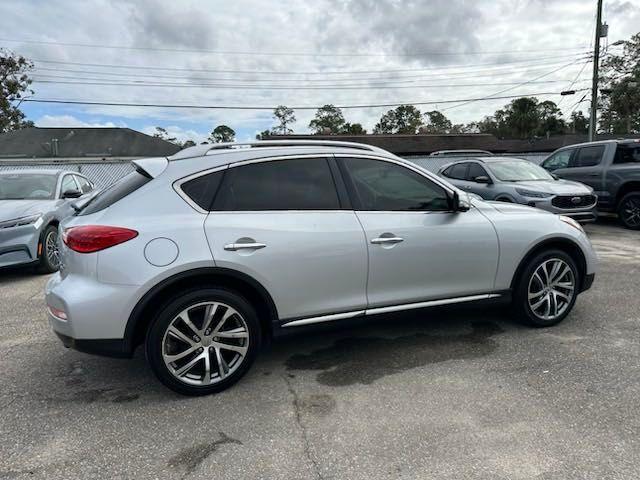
566, 245
241, 283
625, 188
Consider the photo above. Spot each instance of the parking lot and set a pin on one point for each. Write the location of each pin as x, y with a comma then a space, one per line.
435, 394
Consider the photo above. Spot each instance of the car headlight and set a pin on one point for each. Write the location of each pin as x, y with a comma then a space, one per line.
572, 222
533, 194
21, 221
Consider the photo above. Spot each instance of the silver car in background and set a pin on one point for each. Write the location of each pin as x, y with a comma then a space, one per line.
32, 204
204, 255
515, 180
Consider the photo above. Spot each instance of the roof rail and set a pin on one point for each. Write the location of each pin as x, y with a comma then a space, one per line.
201, 150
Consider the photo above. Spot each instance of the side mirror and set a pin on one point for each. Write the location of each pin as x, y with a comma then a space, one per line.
71, 194
456, 206
483, 179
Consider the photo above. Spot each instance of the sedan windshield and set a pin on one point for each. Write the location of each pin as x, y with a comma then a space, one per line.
518, 171
27, 186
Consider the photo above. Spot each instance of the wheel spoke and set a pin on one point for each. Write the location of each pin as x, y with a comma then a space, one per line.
209, 313
187, 321
206, 379
563, 296
564, 272
227, 315
536, 305
188, 366
555, 267
179, 335
178, 356
553, 304
239, 332
223, 368
234, 348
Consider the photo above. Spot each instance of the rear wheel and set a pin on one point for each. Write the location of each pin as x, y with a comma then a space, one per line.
629, 211
49, 255
203, 341
547, 289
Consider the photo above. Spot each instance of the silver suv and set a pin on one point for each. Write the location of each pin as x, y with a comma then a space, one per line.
205, 255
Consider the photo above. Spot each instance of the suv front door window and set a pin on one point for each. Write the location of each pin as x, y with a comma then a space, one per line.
409, 230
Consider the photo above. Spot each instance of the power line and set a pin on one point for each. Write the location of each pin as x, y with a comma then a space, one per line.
298, 72
575, 80
303, 107
286, 54
513, 88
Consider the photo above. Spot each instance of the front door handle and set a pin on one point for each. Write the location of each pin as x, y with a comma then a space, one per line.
232, 247
386, 240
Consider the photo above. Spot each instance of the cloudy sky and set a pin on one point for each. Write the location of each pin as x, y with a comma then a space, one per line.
250, 53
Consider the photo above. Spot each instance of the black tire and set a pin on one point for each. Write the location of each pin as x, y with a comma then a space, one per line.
521, 306
155, 340
47, 264
629, 211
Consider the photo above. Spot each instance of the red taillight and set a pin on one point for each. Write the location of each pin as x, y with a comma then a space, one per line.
93, 238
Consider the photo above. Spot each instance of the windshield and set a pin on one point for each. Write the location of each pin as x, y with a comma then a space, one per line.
27, 186
518, 171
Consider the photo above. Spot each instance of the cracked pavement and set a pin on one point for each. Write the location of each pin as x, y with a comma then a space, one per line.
443, 394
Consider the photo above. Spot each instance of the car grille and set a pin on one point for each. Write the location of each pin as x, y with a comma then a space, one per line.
574, 201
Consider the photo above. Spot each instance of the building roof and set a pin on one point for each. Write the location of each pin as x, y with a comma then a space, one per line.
36, 142
407, 145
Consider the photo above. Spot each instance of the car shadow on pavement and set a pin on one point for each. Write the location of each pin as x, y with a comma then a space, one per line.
10, 274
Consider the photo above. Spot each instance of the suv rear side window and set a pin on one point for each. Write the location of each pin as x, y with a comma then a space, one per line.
588, 156
385, 186
627, 154
476, 171
123, 187
296, 184
202, 190
457, 171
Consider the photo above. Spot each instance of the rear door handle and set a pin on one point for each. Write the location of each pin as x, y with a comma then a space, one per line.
386, 240
232, 247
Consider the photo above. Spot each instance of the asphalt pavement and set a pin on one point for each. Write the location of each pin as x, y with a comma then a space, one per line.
443, 394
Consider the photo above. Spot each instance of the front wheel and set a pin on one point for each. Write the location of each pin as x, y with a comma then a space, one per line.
203, 341
629, 211
547, 289
49, 254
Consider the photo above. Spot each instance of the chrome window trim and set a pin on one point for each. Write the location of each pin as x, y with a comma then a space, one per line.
389, 309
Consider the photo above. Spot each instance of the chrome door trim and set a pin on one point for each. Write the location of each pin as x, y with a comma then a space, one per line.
389, 309
429, 303
324, 318
232, 247
383, 240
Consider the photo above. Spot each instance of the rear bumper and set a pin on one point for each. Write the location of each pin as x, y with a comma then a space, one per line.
105, 347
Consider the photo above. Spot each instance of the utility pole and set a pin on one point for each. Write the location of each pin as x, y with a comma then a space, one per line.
594, 85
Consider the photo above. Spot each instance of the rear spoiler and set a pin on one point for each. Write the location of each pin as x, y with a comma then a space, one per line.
151, 167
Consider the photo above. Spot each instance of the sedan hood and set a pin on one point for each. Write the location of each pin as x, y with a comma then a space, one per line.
10, 209
556, 187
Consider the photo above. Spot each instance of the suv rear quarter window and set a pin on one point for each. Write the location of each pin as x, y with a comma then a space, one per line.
627, 154
457, 171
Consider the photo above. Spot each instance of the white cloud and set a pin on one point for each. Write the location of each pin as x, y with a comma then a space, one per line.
178, 133
71, 121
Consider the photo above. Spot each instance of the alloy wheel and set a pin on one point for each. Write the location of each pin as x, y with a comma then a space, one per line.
630, 211
205, 343
51, 249
551, 289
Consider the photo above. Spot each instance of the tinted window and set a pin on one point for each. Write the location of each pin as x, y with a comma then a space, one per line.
297, 184
386, 186
68, 183
85, 186
457, 171
123, 187
475, 171
589, 156
559, 160
627, 154
31, 186
202, 190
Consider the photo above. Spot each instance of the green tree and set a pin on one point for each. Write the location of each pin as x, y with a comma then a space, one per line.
404, 119
263, 134
328, 119
14, 87
550, 121
436, 123
620, 107
222, 134
188, 143
285, 117
579, 123
353, 129
164, 135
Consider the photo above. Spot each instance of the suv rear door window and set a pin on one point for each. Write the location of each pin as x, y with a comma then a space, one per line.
296, 184
627, 154
476, 171
589, 156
